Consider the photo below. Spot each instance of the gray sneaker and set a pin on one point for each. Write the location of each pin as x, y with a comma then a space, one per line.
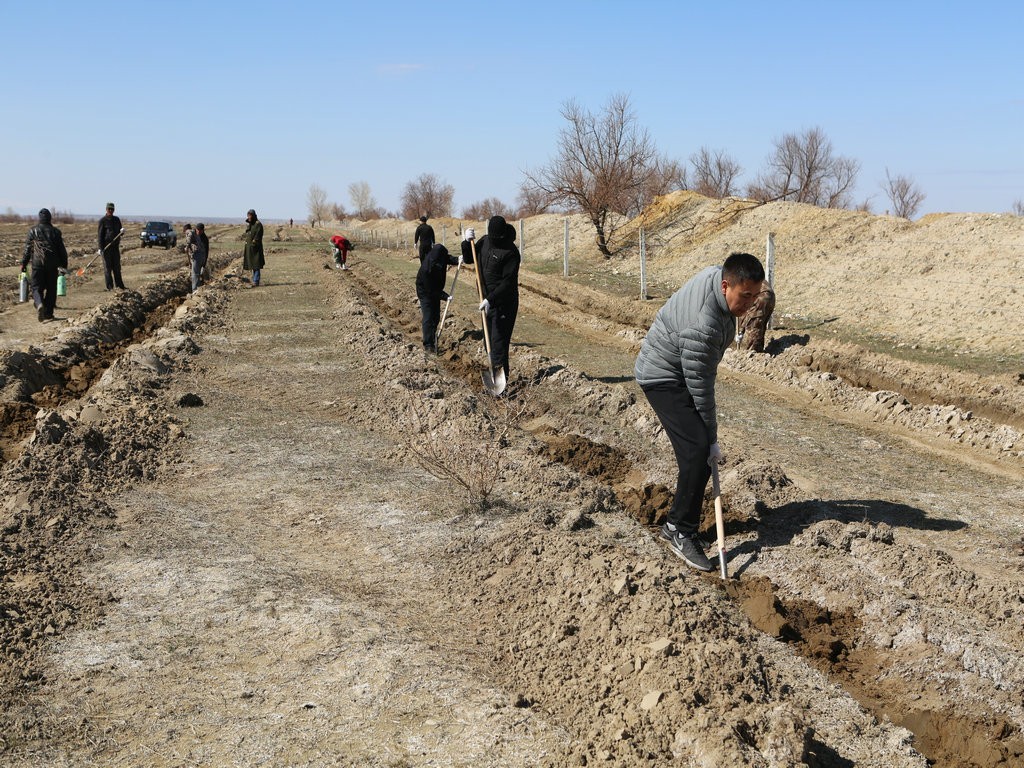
688, 548
668, 531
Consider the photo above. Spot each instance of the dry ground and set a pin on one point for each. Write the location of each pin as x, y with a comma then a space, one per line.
219, 547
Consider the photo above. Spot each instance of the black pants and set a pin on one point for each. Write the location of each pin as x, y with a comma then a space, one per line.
689, 437
112, 268
431, 311
44, 288
501, 321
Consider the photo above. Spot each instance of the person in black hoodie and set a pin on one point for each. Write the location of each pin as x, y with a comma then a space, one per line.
44, 247
430, 290
498, 263
109, 240
423, 239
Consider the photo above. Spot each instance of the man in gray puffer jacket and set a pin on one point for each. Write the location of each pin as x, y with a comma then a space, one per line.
676, 369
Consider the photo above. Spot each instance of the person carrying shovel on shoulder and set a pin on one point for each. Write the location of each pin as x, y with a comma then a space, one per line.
676, 369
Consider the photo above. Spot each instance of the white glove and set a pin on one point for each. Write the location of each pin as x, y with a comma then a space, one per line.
461, 260
485, 306
122, 231
469, 234
715, 455
99, 251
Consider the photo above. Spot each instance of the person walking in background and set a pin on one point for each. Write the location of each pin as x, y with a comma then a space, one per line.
44, 247
109, 241
754, 324
204, 273
424, 237
252, 251
195, 252
430, 290
676, 369
498, 262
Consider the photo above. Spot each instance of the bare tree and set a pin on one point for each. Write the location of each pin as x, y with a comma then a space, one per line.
665, 176
604, 166
337, 211
316, 204
531, 201
1018, 208
714, 173
804, 169
483, 210
427, 196
359, 194
906, 197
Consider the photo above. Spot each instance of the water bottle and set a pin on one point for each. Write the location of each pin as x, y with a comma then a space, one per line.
23, 288
62, 285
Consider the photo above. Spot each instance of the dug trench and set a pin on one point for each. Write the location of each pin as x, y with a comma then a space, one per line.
66, 368
833, 641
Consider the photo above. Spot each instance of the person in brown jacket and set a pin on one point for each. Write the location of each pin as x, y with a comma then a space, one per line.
752, 326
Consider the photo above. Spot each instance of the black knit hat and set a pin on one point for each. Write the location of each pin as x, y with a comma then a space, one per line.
496, 227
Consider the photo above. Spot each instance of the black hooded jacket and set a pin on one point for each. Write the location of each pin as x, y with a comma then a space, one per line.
44, 246
498, 262
431, 276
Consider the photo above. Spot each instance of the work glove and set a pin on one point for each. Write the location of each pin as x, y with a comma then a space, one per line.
715, 455
485, 306
461, 260
122, 231
445, 296
61, 271
469, 234
99, 251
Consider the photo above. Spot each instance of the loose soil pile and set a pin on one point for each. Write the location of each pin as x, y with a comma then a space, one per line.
260, 526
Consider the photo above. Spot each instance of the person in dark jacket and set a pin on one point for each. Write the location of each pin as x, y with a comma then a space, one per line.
424, 237
430, 290
44, 247
109, 247
252, 251
676, 369
498, 262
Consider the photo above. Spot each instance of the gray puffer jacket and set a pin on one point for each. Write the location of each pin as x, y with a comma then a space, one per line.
687, 341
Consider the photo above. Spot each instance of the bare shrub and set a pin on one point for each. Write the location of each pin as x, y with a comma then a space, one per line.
473, 461
337, 211
1018, 208
906, 197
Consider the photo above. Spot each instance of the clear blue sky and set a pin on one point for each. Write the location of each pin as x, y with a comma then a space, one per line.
210, 108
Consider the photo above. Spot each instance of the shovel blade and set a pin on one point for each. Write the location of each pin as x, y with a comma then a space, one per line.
494, 381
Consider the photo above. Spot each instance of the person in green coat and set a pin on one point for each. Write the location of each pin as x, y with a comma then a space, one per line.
252, 254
